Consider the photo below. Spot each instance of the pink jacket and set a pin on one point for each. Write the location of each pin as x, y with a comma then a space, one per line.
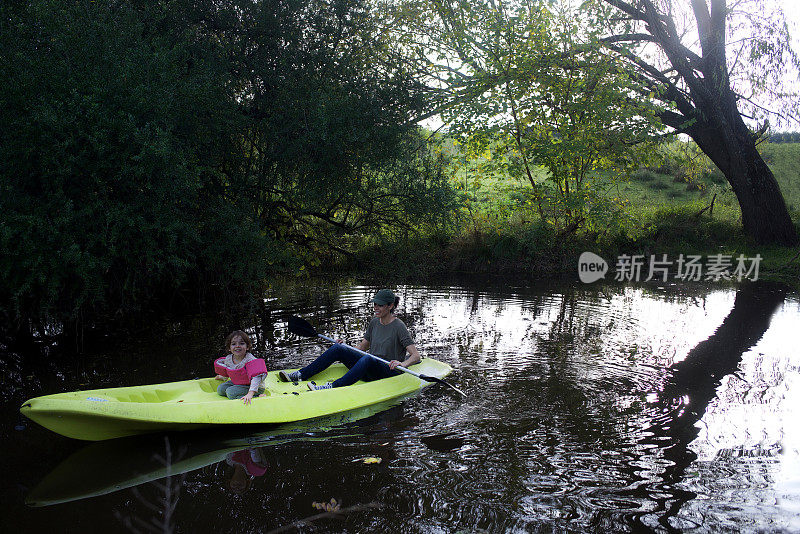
243, 376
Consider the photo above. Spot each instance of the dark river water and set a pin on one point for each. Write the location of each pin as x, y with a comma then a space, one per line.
588, 409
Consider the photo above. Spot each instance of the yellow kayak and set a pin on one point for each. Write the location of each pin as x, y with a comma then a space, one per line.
100, 414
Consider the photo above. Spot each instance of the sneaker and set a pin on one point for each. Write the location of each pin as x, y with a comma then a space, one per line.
294, 376
314, 387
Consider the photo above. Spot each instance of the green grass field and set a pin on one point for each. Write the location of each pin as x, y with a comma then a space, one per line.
784, 160
646, 191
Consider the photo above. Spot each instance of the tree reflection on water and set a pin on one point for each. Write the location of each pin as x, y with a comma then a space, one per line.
692, 383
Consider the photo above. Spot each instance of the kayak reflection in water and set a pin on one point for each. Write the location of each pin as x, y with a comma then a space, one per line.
386, 336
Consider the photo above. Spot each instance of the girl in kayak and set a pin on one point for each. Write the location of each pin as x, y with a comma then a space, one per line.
245, 372
386, 336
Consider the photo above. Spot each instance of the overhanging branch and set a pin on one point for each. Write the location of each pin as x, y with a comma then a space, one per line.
629, 38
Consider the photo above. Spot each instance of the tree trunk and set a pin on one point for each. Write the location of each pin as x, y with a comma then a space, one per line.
733, 150
706, 109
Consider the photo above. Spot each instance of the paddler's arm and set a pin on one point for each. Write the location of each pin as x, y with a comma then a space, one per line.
413, 357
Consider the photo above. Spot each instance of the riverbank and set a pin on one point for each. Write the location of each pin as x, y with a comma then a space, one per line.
671, 236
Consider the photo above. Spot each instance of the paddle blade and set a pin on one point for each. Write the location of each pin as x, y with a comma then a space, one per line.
301, 327
440, 381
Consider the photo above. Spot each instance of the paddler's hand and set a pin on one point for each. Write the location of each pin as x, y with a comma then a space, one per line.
220, 377
394, 363
248, 398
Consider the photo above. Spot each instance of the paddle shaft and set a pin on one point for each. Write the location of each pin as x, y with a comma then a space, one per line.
426, 378
400, 367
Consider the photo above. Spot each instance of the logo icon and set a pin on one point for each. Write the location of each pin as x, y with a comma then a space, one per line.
591, 267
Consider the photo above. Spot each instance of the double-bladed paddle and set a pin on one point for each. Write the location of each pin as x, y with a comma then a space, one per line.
301, 327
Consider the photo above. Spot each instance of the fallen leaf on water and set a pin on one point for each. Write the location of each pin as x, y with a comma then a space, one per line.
372, 460
332, 506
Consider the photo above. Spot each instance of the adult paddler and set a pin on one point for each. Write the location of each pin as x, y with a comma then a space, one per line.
386, 336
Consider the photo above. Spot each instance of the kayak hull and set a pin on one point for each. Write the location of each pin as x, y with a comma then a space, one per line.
101, 414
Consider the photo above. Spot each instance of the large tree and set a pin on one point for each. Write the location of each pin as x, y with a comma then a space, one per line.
702, 89
671, 58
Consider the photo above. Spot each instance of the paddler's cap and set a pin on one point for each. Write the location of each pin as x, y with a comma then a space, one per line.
384, 297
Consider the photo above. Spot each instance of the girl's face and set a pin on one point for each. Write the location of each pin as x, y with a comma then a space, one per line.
238, 347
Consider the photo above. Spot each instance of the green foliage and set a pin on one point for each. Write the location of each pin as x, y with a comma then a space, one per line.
151, 147
651, 213
678, 165
100, 194
527, 87
330, 152
683, 63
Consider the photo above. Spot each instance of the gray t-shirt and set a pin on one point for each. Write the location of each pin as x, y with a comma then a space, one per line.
388, 341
